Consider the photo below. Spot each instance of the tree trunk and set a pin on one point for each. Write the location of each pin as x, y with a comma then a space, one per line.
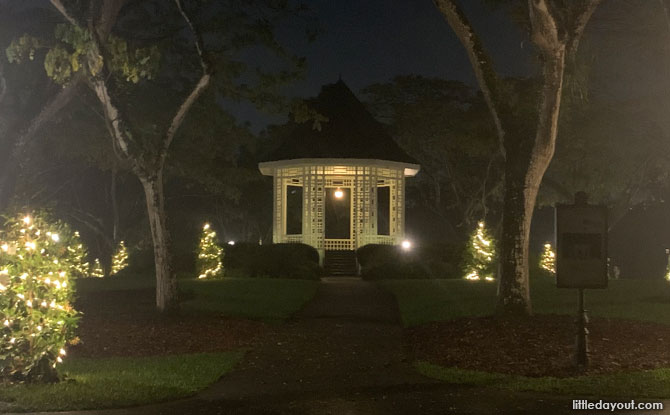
166, 284
526, 163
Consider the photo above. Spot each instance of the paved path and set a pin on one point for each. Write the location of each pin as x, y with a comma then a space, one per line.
343, 354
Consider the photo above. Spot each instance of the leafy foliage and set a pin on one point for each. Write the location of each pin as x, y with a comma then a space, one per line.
35, 295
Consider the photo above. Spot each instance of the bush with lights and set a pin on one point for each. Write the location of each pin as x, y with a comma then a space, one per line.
77, 254
210, 255
479, 256
548, 260
37, 318
120, 258
96, 270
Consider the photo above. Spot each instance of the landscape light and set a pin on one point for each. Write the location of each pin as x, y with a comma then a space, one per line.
339, 193
231, 242
406, 245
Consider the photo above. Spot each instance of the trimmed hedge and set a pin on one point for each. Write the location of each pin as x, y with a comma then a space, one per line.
425, 261
298, 261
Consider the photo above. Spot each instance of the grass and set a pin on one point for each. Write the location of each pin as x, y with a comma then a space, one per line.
118, 382
267, 299
640, 384
422, 301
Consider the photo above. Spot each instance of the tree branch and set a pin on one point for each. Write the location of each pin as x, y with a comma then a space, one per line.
58, 4
580, 24
108, 15
481, 64
198, 89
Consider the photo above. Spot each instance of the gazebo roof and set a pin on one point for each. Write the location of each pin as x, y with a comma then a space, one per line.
350, 132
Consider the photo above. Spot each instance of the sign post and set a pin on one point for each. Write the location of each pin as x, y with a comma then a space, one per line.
581, 259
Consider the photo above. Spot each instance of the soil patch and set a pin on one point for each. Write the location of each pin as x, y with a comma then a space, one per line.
125, 323
540, 345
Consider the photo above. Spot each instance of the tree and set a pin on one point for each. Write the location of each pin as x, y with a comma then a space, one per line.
210, 254
555, 27
86, 47
479, 257
439, 123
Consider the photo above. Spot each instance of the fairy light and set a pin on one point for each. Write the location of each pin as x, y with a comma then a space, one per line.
120, 258
548, 259
210, 254
96, 269
35, 310
481, 254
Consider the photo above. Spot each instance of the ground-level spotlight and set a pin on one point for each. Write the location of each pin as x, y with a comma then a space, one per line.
406, 245
231, 242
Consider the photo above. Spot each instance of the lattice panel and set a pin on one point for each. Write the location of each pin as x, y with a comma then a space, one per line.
363, 182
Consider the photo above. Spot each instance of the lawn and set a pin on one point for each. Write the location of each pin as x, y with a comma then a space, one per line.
639, 384
267, 299
422, 301
118, 382
106, 382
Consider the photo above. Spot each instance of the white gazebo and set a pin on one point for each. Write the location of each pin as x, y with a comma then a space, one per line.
342, 185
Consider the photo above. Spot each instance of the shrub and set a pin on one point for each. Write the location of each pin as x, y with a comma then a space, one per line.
423, 261
35, 295
120, 259
479, 259
210, 255
297, 261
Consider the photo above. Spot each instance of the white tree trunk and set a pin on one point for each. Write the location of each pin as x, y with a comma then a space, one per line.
166, 284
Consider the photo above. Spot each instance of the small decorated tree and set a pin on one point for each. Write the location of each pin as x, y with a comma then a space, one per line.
120, 258
77, 257
96, 269
548, 260
210, 254
36, 316
479, 255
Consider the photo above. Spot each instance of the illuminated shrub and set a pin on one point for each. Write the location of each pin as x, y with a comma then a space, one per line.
210, 254
77, 254
548, 260
37, 318
120, 259
479, 256
96, 270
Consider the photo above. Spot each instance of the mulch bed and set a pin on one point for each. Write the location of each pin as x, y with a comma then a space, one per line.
540, 345
125, 323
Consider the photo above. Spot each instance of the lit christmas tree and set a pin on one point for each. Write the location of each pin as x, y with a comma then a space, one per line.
210, 254
37, 320
96, 270
548, 259
77, 257
120, 258
479, 255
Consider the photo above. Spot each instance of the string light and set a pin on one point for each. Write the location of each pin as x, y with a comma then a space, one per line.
210, 254
77, 257
120, 258
35, 305
548, 259
481, 252
96, 269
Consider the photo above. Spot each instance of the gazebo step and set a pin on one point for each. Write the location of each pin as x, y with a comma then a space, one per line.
340, 263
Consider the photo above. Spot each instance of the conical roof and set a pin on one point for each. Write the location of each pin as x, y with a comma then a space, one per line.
351, 132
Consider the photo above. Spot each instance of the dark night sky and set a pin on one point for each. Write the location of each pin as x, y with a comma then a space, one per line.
374, 40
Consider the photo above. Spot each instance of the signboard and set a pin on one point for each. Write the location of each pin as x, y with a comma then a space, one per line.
581, 246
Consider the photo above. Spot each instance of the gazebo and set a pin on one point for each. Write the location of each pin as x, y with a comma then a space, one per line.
341, 185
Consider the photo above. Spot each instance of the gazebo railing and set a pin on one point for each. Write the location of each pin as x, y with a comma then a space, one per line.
338, 244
